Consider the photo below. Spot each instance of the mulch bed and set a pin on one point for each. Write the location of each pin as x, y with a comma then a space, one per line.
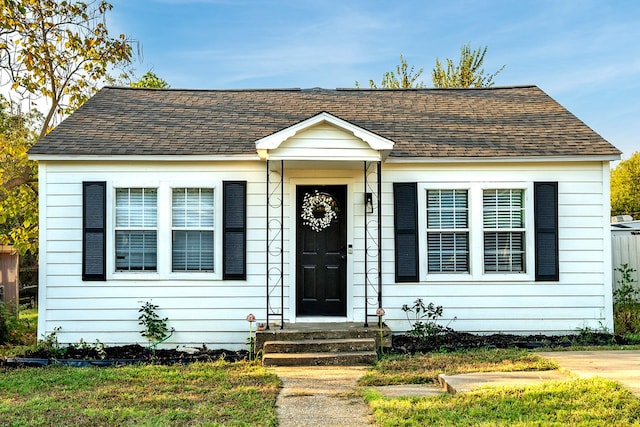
121, 355
451, 340
448, 340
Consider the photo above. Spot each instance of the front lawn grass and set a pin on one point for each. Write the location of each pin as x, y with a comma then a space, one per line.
590, 402
425, 368
216, 394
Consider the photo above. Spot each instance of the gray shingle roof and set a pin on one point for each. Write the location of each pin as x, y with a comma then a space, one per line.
488, 122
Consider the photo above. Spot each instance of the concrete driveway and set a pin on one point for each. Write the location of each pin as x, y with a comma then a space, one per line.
619, 365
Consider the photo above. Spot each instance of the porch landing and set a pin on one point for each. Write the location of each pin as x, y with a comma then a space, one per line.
322, 344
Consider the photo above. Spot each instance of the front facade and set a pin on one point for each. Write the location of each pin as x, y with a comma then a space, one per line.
318, 205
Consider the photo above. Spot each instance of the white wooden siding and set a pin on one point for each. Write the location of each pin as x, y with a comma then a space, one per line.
213, 311
579, 299
324, 142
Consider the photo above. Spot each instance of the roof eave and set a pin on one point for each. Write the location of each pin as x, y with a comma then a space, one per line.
506, 159
144, 157
256, 157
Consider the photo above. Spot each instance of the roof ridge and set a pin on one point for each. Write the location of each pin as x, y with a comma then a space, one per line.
200, 89
319, 89
419, 89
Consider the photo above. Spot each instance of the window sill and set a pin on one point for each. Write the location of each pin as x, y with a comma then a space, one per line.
142, 275
483, 278
158, 277
194, 276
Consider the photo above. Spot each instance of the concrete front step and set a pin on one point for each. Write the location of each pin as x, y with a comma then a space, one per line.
320, 359
316, 331
317, 344
320, 346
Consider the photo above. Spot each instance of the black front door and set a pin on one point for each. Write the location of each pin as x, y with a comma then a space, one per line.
321, 249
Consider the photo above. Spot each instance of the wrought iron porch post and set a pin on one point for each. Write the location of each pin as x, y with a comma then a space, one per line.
282, 244
266, 241
375, 238
366, 268
379, 234
270, 241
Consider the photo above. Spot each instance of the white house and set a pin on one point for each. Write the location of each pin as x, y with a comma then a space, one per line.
322, 205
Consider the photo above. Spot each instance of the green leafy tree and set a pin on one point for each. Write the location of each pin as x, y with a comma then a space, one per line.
468, 72
404, 77
58, 50
151, 80
19, 192
625, 187
54, 54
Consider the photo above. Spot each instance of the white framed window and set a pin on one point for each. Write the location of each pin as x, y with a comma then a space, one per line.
476, 231
164, 230
192, 225
136, 229
503, 217
447, 231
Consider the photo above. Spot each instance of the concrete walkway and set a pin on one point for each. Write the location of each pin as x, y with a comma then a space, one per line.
622, 366
466, 382
321, 396
327, 395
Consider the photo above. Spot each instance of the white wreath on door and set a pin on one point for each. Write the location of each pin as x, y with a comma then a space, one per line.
318, 210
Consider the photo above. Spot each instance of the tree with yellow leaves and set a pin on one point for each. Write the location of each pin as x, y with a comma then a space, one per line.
19, 192
53, 54
468, 72
625, 187
404, 77
60, 51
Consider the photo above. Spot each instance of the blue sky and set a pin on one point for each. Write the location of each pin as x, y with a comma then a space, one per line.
584, 53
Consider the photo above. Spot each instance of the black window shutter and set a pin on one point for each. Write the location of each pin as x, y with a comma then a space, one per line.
234, 224
405, 211
94, 244
546, 231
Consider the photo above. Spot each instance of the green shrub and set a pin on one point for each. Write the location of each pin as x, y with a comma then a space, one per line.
13, 329
423, 319
626, 304
632, 338
155, 328
4, 332
626, 293
626, 319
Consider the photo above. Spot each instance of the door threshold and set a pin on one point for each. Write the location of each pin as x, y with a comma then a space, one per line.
320, 319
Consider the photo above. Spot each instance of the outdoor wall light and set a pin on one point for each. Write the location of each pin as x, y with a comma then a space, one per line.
368, 203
